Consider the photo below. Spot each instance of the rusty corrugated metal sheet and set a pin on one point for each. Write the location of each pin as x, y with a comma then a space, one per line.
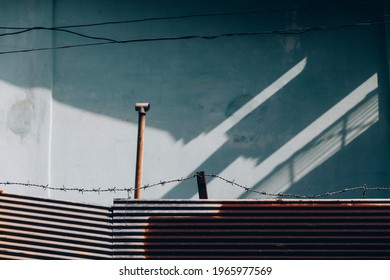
36, 228
251, 229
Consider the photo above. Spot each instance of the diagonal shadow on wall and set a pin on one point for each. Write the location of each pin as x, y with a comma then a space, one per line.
217, 137
194, 86
309, 148
325, 137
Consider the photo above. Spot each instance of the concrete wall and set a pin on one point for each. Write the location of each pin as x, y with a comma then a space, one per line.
298, 113
25, 95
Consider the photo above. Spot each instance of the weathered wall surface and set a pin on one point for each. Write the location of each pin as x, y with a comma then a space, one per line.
25, 95
304, 112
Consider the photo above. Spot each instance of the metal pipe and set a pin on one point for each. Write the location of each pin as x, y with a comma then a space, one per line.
142, 108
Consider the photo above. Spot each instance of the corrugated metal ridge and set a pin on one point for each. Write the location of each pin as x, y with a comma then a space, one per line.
212, 204
31, 202
41, 228
51, 200
251, 200
251, 229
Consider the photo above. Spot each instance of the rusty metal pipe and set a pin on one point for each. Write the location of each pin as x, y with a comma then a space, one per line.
142, 108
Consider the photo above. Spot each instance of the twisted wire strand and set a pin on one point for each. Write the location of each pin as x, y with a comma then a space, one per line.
162, 183
96, 190
363, 188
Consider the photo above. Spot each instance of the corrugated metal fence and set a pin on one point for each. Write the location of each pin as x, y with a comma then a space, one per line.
36, 228
251, 229
194, 229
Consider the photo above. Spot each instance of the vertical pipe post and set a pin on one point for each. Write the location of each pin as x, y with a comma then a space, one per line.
202, 186
142, 108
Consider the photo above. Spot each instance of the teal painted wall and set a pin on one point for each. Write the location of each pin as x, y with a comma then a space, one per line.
299, 113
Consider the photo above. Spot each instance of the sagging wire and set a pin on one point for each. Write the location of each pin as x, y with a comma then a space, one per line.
293, 31
232, 182
97, 190
362, 188
59, 30
281, 10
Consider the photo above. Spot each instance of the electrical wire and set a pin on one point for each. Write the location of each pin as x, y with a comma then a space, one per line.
353, 4
294, 31
65, 28
59, 30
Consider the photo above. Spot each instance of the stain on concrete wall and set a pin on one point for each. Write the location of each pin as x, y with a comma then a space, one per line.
20, 118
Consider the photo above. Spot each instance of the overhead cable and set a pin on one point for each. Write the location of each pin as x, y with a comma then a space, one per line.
293, 31
365, 3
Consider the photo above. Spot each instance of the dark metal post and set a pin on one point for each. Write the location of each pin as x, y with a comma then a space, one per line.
202, 186
142, 108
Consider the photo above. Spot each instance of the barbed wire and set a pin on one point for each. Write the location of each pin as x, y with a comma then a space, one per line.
362, 188
129, 190
96, 190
